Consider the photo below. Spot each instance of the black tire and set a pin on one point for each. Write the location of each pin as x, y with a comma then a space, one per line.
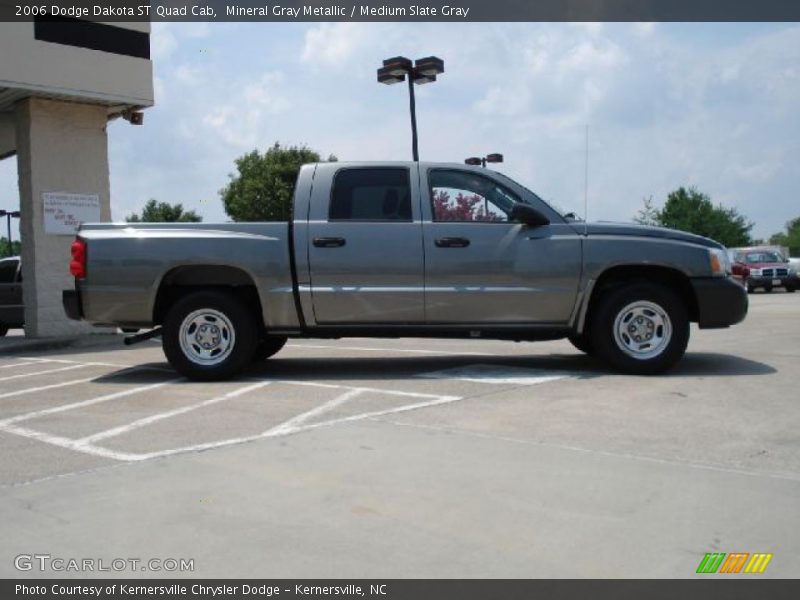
750, 289
129, 329
618, 300
3, 330
230, 325
269, 346
582, 343
790, 289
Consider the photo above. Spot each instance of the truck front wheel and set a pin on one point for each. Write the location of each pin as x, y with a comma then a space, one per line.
640, 328
209, 335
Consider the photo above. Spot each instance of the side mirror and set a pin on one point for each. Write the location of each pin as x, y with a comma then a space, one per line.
525, 213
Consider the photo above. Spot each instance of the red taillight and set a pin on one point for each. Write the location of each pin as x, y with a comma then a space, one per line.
77, 266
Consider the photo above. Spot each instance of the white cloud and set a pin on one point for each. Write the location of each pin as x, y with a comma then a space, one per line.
332, 44
240, 121
162, 41
644, 29
188, 75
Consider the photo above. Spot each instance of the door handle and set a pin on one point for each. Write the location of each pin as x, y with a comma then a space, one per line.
329, 242
451, 242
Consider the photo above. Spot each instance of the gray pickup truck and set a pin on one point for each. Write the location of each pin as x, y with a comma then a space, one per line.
403, 250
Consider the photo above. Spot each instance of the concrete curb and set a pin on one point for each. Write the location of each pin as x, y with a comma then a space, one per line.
14, 345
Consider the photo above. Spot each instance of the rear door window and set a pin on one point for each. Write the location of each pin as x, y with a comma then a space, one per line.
371, 194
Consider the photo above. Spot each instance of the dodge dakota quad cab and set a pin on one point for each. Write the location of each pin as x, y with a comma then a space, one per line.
768, 270
403, 250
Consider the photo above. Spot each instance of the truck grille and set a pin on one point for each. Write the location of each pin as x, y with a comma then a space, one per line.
774, 272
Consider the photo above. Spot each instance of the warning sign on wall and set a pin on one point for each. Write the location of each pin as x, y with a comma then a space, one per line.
64, 212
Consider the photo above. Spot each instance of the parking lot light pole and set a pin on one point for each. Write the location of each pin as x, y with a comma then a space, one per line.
423, 70
8, 214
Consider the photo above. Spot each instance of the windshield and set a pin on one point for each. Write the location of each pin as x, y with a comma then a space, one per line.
752, 258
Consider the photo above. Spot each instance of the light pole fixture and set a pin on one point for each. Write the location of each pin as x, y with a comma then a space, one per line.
489, 158
423, 70
8, 214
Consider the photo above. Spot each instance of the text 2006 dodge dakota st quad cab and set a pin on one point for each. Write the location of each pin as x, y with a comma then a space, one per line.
402, 250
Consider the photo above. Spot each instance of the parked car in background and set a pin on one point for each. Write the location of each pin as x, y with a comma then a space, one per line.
768, 270
11, 309
739, 270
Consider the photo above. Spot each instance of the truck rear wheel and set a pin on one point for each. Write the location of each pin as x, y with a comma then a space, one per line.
3, 330
209, 335
640, 328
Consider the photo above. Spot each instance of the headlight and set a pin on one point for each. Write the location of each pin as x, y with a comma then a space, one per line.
755, 272
720, 262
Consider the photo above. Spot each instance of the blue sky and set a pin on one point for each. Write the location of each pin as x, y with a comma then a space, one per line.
709, 105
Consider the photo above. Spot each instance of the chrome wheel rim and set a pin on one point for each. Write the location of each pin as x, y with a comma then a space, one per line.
207, 337
642, 330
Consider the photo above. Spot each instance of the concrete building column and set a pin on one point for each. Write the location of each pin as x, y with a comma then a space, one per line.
61, 147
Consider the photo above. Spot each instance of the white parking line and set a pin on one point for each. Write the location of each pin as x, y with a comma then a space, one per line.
94, 364
279, 432
46, 387
380, 413
62, 442
69, 362
19, 364
115, 431
294, 423
361, 388
497, 375
73, 382
82, 403
45, 372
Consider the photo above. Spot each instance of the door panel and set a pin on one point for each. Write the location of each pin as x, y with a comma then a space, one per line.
481, 268
507, 274
365, 248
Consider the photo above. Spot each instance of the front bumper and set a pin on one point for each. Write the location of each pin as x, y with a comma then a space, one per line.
721, 302
761, 281
71, 300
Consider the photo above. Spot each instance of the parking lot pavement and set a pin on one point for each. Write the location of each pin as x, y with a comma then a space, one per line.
378, 458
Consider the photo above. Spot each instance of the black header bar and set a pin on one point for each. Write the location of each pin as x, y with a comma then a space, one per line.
95, 36
734, 587
394, 10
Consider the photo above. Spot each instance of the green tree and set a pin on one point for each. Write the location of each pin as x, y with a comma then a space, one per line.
163, 212
691, 210
263, 186
16, 247
789, 238
648, 214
